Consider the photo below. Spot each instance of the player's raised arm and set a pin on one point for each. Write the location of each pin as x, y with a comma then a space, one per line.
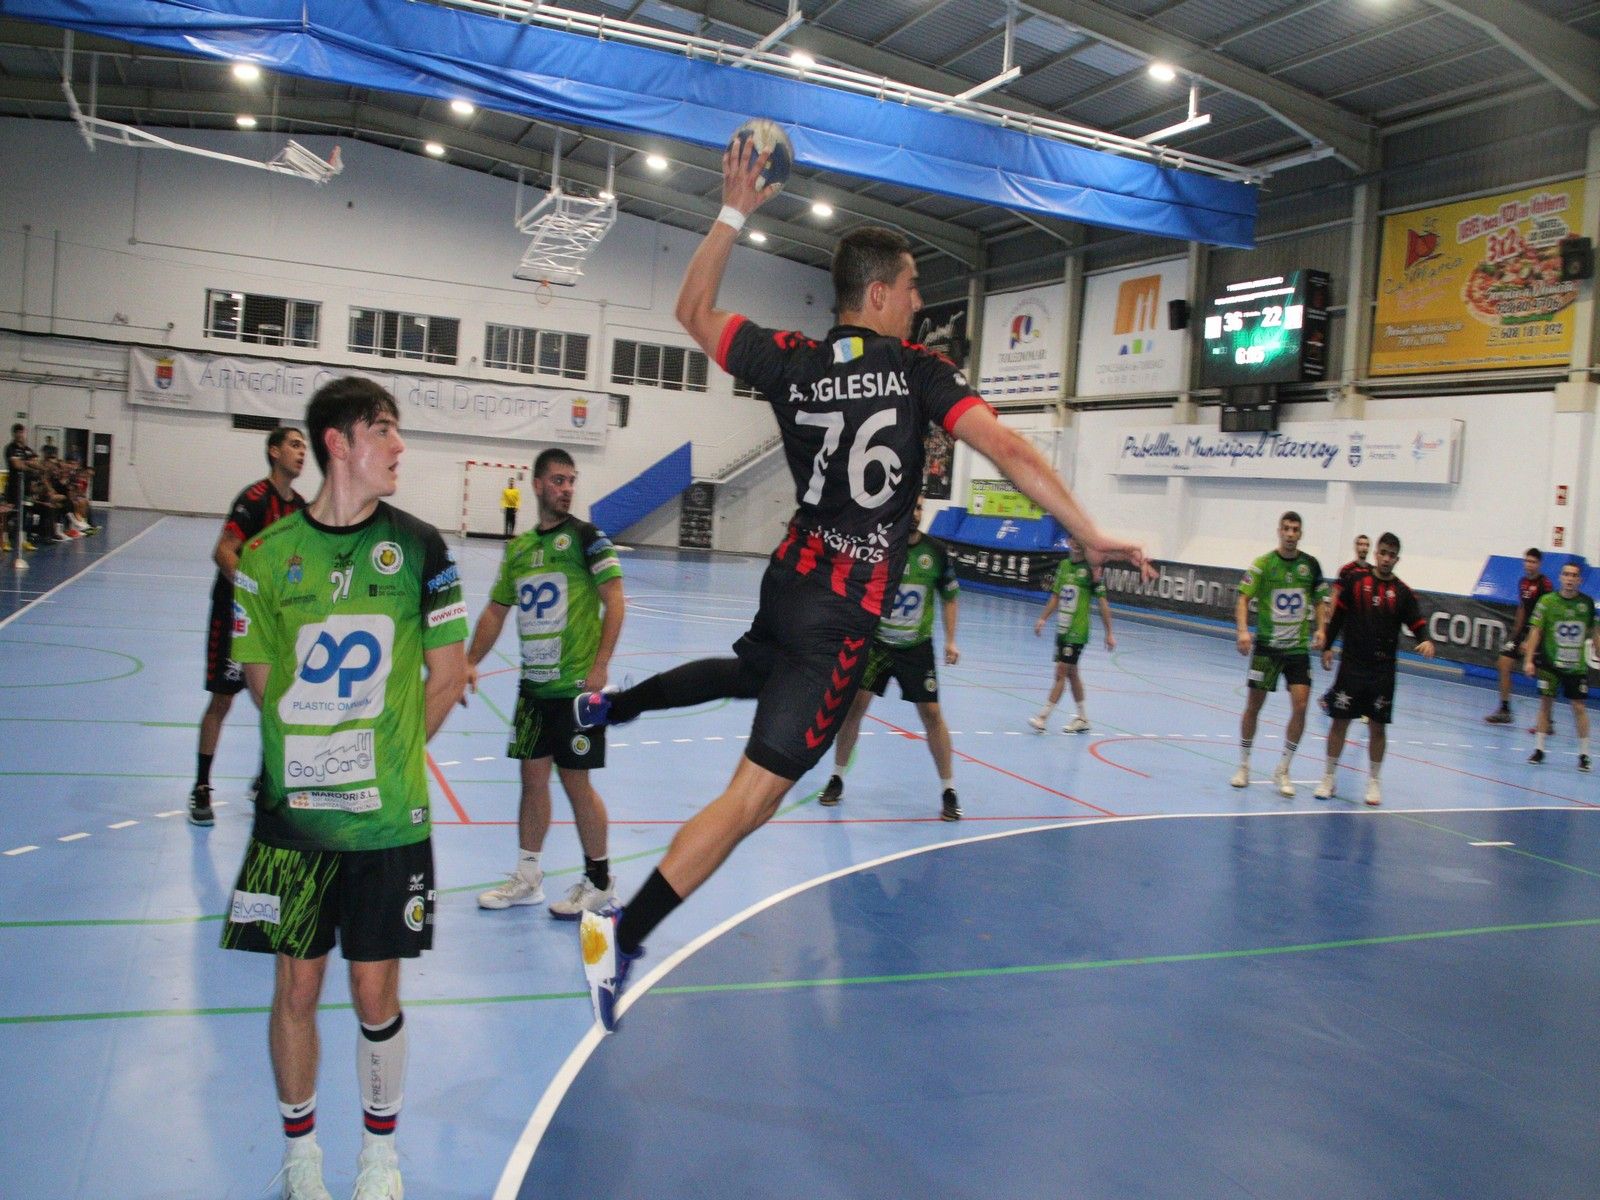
742, 194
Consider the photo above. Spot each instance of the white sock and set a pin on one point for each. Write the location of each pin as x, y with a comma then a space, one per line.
1288, 755
1538, 740
1047, 710
1374, 769
1583, 745
299, 1112
528, 864
381, 1076
1331, 770
1083, 710
1244, 752
946, 783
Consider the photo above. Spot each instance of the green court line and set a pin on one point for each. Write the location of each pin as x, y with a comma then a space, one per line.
138, 665
1473, 837
1150, 960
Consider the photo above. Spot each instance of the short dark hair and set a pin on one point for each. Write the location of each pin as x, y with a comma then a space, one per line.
871, 254
1534, 553
1291, 515
1361, 537
1574, 566
1390, 540
553, 455
340, 405
277, 438
17, 428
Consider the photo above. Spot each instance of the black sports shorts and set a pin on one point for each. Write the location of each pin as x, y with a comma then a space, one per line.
223, 676
909, 666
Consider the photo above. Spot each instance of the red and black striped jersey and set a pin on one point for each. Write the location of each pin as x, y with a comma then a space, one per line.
1528, 593
1370, 612
258, 506
852, 410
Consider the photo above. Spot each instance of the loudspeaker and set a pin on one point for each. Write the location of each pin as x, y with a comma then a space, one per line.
1577, 258
1177, 314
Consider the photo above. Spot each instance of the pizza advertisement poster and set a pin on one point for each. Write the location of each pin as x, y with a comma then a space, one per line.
1476, 285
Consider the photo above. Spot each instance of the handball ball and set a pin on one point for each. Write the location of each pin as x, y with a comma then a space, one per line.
762, 135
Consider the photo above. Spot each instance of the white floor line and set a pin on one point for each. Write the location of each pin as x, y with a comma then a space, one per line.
97, 563
72, 837
122, 825
19, 850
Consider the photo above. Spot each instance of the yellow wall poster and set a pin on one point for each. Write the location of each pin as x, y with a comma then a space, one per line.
1476, 285
998, 498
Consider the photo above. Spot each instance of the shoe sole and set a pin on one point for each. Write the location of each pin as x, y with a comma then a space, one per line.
829, 801
505, 904
202, 822
577, 916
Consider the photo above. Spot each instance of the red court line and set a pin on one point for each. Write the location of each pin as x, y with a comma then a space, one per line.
450, 795
917, 737
1094, 749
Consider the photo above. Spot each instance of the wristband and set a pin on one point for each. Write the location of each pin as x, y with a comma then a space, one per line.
731, 217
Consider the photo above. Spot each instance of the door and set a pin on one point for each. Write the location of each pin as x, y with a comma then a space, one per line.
100, 489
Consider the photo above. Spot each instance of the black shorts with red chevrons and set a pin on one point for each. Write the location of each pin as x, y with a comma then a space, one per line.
808, 647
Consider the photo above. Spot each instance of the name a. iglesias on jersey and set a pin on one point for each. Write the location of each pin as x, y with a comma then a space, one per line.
867, 386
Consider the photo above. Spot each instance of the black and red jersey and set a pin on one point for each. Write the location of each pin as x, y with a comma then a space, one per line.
852, 410
1370, 612
1528, 593
258, 506
1352, 571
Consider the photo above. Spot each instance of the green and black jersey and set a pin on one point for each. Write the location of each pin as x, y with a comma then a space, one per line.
1287, 592
909, 621
344, 616
1563, 626
1075, 583
552, 578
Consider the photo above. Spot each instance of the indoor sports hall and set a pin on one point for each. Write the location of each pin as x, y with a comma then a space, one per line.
1216, 262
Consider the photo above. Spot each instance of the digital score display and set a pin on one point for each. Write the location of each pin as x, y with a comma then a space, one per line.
1272, 330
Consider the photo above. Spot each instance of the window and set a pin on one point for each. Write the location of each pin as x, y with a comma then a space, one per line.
263, 320
671, 367
536, 351
746, 391
403, 335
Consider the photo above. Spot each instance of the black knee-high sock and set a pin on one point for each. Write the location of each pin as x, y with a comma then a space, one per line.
693, 683
651, 906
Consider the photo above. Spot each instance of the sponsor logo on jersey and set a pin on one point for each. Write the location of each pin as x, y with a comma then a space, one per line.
243, 581
295, 571
542, 603
415, 911
562, 541
387, 558
241, 620
344, 669
849, 349
451, 612
416, 882
580, 744
253, 906
907, 604
931, 683
925, 561
418, 817
446, 578
358, 800
331, 761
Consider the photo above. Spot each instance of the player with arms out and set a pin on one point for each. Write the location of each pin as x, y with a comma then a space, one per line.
902, 650
1562, 623
259, 505
1291, 616
1531, 588
563, 578
851, 409
1369, 609
351, 633
1075, 582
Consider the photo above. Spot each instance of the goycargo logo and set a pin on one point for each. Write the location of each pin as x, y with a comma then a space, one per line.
322, 761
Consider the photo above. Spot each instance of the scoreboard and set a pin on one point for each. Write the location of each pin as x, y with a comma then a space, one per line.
1272, 330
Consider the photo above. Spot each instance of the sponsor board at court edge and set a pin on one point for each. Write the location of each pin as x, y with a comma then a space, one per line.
1022, 352
999, 498
1422, 452
1125, 347
431, 403
1476, 286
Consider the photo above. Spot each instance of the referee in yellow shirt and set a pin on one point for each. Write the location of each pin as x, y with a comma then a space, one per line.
510, 501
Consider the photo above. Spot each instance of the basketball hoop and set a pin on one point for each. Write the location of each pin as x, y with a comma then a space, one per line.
543, 294
565, 228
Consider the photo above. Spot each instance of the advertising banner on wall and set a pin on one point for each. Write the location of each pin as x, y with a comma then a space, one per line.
1423, 451
1022, 354
999, 498
1476, 286
1126, 347
472, 408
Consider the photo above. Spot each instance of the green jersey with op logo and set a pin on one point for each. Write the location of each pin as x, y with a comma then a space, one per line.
552, 578
909, 620
1564, 626
344, 617
1287, 592
1076, 584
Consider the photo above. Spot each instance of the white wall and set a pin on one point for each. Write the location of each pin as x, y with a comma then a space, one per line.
145, 233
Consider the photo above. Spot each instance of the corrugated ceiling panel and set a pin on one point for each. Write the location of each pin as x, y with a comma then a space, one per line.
1109, 59
1490, 68
1385, 57
945, 31
1207, 20
1055, 85
872, 23
1313, 32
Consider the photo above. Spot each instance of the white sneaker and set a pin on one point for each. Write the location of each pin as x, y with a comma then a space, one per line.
1241, 778
302, 1173
1324, 789
1374, 795
1038, 720
1076, 725
378, 1174
1280, 780
518, 889
584, 897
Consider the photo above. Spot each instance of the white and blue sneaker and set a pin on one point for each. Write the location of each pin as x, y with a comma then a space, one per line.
592, 709
604, 966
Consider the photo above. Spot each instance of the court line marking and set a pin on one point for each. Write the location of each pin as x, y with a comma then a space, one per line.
99, 562
521, 1157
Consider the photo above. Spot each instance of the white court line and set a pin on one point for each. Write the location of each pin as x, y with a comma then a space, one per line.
171, 812
99, 562
19, 850
122, 825
1491, 843
681, 741
522, 1153
73, 837
454, 762
484, 758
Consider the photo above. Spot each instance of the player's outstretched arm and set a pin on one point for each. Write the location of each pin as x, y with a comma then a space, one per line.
697, 309
1036, 479
484, 635
446, 668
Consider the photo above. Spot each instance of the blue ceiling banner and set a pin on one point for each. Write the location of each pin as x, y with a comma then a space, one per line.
572, 79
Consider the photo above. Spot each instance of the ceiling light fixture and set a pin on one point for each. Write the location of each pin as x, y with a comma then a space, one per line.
821, 208
1162, 72
656, 162
756, 236
246, 72
433, 148
245, 121
463, 108
801, 59
1195, 120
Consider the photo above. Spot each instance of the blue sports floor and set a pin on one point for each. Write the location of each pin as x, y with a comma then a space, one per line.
1117, 977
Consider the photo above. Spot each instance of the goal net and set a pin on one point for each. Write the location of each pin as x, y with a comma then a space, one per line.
482, 483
